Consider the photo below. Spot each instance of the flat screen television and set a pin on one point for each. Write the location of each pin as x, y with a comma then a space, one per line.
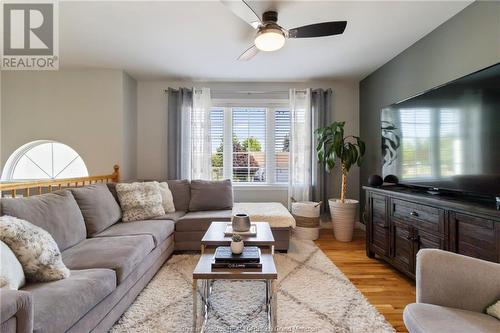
447, 138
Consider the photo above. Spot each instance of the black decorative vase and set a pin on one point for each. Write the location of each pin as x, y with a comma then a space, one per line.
375, 180
391, 179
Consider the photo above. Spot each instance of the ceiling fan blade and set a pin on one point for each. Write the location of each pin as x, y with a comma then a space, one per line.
318, 30
249, 53
241, 9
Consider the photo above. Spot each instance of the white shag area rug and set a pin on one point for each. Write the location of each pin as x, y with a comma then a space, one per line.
313, 296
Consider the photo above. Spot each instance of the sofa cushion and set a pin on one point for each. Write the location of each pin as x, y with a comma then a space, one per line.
171, 216
158, 229
122, 254
429, 318
56, 212
200, 221
181, 192
211, 195
99, 207
60, 304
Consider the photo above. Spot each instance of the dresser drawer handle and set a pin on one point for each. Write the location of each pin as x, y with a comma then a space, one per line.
414, 214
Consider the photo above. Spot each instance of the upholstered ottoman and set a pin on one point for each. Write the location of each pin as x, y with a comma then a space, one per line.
274, 213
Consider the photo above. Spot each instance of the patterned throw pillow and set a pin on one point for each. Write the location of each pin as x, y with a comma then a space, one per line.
11, 271
35, 249
167, 198
494, 310
140, 201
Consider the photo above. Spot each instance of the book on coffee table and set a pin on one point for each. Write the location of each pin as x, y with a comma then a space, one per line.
250, 254
257, 265
249, 258
229, 231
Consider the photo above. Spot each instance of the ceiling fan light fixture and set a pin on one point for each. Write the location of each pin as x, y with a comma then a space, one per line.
270, 39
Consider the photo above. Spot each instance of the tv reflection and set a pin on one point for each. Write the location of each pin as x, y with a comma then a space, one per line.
448, 148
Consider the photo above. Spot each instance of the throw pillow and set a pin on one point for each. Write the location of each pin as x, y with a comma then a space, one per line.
11, 271
139, 201
167, 198
494, 310
211, 195
35, 249
99, 208
181, 192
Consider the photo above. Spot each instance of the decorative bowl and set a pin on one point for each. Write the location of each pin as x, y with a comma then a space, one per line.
241, 222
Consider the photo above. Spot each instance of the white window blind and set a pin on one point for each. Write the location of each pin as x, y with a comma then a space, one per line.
217, 133
281, 144
258, 152
249, 145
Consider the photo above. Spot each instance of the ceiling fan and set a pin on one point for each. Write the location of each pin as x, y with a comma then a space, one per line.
271, 36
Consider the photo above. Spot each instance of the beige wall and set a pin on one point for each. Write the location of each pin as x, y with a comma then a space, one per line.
110, 118
129, 145
91, 110
152, 127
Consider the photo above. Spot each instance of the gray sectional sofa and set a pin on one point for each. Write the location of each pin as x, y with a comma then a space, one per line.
110, 261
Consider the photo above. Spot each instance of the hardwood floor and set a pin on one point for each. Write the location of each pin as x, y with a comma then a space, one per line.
384, 287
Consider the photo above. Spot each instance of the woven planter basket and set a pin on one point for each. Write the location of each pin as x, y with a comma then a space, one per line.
306, 222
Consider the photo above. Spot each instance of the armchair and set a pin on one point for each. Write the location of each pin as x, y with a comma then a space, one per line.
453, 292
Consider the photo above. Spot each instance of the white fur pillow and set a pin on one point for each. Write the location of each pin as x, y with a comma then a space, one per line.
494, 310
35, 249
140, 201
11, 271
166, 197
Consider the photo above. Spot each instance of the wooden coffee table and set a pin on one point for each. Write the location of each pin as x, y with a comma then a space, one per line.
215, 236
204, 274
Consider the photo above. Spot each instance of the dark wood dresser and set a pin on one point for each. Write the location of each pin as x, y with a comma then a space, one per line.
400, 221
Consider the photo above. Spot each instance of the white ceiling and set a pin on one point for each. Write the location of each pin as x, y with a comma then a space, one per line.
201, 40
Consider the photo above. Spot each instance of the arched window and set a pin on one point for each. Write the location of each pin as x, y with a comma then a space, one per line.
44, 159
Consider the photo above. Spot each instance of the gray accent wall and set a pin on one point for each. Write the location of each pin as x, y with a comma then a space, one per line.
466, 43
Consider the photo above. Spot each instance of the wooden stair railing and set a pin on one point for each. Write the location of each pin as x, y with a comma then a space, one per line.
29, 188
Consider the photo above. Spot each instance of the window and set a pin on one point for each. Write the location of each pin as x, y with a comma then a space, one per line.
250, 143
44, 160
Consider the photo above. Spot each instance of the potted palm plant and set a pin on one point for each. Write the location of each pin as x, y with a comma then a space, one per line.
333, 146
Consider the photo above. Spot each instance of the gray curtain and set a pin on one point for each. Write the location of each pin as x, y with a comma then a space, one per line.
178, 100
322, 115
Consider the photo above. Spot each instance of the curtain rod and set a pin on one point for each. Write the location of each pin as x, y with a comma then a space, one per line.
250, 91
217, 91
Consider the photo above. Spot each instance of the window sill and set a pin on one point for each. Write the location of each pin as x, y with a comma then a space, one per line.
264, 187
